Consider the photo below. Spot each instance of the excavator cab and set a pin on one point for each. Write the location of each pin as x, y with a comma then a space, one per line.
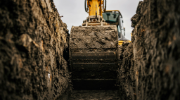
114, 17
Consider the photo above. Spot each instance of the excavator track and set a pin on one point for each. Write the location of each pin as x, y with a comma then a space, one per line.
94, 57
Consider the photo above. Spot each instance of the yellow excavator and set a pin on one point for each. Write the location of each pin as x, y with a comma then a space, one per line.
93, 48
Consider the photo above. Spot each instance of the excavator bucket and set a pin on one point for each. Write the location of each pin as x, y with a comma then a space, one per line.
94, 57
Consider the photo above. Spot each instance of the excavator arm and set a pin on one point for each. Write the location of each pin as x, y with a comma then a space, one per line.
95, 7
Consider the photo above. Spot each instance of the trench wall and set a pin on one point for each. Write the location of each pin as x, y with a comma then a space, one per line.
154, 63
33, 51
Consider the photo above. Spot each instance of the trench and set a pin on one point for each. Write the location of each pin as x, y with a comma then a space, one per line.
35, 60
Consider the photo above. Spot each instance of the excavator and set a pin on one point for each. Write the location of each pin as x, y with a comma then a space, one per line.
93, 48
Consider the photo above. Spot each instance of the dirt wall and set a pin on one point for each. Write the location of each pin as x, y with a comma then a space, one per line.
156, 50
33, 50
126, 79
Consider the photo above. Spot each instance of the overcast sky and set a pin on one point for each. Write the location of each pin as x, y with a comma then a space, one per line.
74, 13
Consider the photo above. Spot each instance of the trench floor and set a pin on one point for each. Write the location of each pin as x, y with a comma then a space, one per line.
94, 95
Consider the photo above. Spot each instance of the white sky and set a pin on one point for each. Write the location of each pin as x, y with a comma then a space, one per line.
74, 13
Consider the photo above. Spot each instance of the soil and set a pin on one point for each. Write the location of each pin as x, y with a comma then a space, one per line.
150, 61
94, 95
33, 51
93, 37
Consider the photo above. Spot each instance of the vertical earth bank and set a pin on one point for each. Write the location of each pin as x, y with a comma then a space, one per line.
33, 51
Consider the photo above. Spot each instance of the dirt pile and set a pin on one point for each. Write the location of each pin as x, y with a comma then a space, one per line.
156, 50
33, 51
93, 37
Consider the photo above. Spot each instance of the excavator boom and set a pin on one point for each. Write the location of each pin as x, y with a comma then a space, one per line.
95, 7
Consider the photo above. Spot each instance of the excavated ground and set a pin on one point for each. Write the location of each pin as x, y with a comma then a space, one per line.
33, 51
149, 68
91, 95
94, 95
34, 54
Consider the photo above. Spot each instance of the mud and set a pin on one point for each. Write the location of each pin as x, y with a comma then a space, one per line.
33, 51
155, 73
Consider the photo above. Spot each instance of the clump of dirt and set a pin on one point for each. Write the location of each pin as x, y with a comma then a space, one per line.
33, 51
94, 37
